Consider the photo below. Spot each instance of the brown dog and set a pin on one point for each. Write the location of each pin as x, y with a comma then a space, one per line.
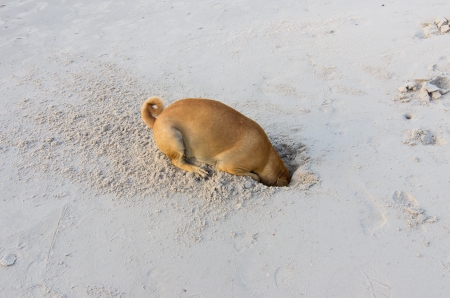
215, 134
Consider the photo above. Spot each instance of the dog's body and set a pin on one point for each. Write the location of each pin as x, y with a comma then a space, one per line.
215, 134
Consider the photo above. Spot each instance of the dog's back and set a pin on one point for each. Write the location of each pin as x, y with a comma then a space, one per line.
210, 127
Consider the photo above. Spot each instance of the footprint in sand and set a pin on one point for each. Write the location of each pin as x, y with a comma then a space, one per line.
410, 210
285, 276
378, 73
325, 72
373, 220
243, 241
336, 127
443, 65
404, 199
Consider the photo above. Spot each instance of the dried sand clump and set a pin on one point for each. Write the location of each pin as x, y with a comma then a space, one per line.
84, 124
416, 136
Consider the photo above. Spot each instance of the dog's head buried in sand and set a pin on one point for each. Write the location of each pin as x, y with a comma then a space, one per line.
216, 134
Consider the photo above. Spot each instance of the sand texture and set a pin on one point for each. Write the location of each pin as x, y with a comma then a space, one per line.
354, 96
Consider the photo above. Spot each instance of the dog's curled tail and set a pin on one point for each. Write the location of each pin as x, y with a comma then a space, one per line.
152, 107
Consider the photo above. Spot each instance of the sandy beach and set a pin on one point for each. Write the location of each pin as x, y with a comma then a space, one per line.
354, 96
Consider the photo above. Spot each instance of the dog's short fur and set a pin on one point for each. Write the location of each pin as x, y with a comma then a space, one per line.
215, 134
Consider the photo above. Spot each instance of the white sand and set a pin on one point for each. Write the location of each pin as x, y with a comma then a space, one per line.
346, 91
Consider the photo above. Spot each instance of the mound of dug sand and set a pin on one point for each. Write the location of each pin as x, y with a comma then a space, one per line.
92, 134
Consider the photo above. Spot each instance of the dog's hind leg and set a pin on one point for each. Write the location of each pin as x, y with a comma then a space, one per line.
172, 145
237, 171
178, 161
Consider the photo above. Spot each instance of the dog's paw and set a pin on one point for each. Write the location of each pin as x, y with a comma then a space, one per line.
201, 172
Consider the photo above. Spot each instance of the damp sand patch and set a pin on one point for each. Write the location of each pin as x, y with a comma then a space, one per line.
84, 125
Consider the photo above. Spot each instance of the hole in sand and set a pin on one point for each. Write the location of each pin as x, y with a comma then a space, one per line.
292, 154
407, 116
296, 160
